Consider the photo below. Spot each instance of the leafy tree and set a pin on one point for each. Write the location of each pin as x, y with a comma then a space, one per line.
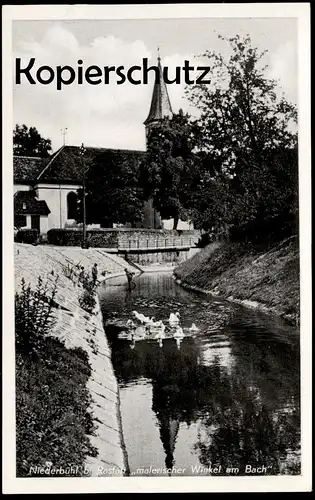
112, 191
249, 139
28, 142
166, 173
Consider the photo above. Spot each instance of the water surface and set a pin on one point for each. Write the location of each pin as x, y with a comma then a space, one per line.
225, 402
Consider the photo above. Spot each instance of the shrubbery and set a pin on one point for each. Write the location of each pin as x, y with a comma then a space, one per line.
52, 418
34, 315
27, 236
73, 237
87, 299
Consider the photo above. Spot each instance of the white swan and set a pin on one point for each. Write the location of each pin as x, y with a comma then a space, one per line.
157, 327
149, 321
194, 328
179, 334
144, 320
174, 319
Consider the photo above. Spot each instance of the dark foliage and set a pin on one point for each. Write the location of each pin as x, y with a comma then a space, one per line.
27, 236
28, 142
116, 174
53, 423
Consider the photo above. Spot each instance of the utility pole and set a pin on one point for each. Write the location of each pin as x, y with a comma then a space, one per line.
84, 242
64, 134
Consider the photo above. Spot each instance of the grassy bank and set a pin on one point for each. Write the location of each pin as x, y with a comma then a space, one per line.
265, 276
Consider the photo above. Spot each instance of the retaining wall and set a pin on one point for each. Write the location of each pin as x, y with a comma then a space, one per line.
79, 329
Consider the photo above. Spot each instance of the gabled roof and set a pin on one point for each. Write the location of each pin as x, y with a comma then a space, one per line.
26, 203
66, 166
27, 168
160, 104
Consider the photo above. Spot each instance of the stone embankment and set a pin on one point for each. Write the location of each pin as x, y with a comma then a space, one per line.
77, 328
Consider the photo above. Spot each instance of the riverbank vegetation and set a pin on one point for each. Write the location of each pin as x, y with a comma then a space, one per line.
53, 423
264, 274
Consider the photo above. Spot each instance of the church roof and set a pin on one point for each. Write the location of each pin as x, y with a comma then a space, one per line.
160, 104
27, 168
65, 165
26, 203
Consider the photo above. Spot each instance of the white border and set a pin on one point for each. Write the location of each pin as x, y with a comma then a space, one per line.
172, 484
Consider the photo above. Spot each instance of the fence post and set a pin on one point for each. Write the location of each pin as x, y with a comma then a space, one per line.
147, 243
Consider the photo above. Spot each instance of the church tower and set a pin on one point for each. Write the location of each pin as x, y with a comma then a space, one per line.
160, 103
159, 109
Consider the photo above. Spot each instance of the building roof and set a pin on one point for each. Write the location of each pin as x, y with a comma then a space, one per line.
27, 168
160, 104
66, 165
26, 203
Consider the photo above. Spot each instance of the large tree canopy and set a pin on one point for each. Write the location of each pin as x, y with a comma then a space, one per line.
167, 171
112, 191
28, 142
249, 138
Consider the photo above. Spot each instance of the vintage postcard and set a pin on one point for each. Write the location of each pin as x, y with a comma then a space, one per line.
157, 242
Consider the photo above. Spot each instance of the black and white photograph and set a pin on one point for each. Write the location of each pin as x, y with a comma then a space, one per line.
157, 241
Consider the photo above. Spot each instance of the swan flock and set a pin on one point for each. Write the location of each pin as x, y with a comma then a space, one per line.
142, 326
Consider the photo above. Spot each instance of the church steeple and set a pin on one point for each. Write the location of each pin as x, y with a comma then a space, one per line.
160, 104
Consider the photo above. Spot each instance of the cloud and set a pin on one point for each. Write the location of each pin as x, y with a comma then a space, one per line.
107, 115
101, 115
283, 68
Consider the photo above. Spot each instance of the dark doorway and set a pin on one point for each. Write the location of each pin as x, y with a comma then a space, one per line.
72, 201
35, 222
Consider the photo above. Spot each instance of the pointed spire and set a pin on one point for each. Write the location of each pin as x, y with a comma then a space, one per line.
168, 433
160, 104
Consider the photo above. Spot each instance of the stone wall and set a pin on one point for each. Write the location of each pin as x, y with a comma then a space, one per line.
79, 329
124, 238
169, 258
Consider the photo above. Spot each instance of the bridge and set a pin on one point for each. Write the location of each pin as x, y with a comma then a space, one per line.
176, 244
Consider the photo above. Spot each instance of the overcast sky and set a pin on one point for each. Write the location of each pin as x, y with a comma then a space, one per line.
112, 115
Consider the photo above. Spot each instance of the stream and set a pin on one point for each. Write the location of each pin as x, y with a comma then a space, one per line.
226, 401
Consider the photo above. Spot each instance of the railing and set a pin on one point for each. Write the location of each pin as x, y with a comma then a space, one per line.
157, 243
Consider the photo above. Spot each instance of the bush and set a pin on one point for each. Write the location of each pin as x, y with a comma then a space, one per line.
73, 237
70, 271
34, 317
27, 236
52, 417
87, 301
204, 240
271, 229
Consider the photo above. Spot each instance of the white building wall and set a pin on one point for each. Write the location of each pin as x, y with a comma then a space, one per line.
28, 221
55, 196
43, 224
21, 187
181, 226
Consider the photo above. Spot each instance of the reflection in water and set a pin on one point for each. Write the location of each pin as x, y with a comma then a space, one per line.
235, 384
